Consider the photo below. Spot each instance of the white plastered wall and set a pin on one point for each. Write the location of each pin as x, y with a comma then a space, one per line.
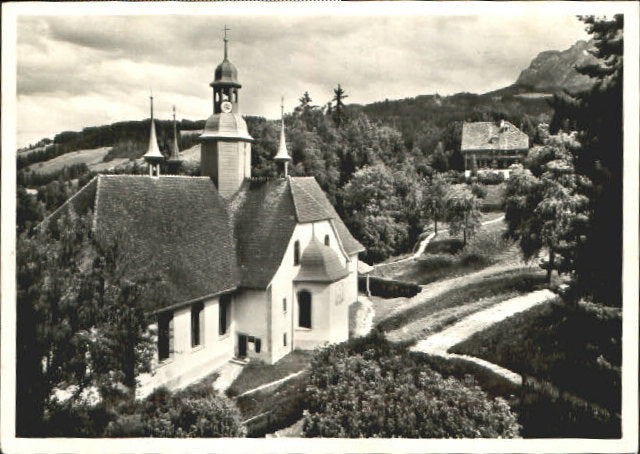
188, 364
282, 286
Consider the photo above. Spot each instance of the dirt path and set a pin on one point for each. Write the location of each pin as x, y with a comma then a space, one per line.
439, 343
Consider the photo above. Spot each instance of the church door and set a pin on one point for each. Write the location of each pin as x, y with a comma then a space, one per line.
242, 346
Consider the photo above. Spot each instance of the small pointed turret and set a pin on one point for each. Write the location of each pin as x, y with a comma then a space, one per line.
153, 156
175, 151
282, 155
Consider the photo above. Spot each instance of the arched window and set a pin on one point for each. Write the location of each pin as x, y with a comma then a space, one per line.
304, 309
327, 241
296, 253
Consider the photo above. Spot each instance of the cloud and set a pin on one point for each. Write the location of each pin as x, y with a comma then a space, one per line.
88, 70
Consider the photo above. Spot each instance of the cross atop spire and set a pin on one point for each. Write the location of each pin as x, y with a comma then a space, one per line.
226, 40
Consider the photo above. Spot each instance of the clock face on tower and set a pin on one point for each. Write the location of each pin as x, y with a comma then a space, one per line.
226, 106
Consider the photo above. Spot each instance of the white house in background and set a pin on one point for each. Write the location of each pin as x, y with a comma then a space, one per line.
253, 268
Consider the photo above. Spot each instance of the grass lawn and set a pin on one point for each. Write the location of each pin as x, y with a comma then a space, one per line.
255, 374
503, 285
576, 349
445, 256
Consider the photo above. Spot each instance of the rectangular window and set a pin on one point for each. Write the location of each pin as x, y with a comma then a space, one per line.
196, 324
296, 253
223, 314
284, 305
257, 345
165, 336
284, 339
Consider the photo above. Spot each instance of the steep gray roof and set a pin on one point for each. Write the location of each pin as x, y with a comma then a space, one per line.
264, 217
181, 229
486, 135
176, 228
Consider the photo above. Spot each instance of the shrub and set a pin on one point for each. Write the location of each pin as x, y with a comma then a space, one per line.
447, 246
479, 190
78, 419
387, 288
383, 392
195, 412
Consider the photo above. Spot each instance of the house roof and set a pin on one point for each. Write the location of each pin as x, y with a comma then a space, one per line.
486, 135
198, 243
174, 227
322, 208
264, 216
320, 263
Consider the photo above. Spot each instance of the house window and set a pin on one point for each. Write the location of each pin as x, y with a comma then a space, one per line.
257, 345
304, 309
326, 240
196, 324
223, 314
284, 339
165, 336
284, 305
296, 253
339, 293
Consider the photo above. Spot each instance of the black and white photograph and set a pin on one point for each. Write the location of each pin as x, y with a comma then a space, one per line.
379, 226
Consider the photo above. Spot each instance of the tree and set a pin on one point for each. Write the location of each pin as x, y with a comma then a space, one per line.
50, 318
378, 390
597, 116
463, 213
121, 345
435, 193
372, 210
543, 208
80, 315
338, 111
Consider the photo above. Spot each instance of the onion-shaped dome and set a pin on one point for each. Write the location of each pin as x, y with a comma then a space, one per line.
226, 74
226, 126
320, 263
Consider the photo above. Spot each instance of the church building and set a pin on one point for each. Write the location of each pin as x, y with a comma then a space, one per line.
252, 269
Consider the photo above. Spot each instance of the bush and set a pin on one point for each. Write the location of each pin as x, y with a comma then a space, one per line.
387, 288
195, 412
79, 419
447, 246
479, 190
383, 392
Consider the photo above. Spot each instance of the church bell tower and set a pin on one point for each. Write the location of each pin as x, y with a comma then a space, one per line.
225, 151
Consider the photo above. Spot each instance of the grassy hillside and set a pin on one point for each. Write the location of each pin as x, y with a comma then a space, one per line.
93, 158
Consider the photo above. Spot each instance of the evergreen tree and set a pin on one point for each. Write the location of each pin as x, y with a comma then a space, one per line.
338, 111
597, 116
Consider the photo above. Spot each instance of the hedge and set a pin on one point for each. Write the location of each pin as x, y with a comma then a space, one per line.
387, 288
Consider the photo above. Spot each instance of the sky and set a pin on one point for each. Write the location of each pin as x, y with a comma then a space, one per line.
78, 71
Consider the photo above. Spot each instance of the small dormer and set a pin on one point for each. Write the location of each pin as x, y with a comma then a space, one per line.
320, 263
